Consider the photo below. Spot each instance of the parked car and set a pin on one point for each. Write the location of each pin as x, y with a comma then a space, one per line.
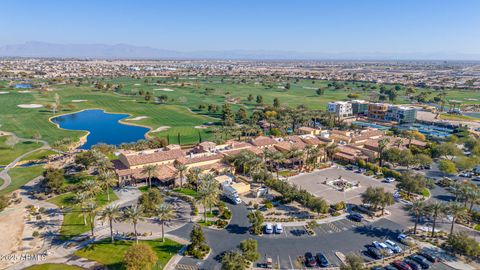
268, 228
310, 260
349, 167
389, 180
414, 265
404, 239
356, 217
322, 260
377, 268
393, 246
382, 246
424, 263
389, 267
401, 265
374, 252
278, 228
429, 256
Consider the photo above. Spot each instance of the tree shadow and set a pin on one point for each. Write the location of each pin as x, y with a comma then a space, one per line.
372, 231
236, 229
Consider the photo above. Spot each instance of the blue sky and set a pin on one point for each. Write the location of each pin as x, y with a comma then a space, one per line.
390, 26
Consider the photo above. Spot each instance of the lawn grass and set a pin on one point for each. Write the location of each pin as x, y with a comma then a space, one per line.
458, 117
20, 176
187, 191
8, 154
37, 155
53, 266
73, 218
111, 255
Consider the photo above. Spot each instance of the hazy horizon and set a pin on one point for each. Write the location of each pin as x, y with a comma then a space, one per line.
396, 29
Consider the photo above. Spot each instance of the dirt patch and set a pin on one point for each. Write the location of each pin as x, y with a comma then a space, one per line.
164, 89
30, 106
12, 224
137, 118
160, 129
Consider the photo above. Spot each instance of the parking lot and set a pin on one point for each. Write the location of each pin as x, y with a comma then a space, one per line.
314, 183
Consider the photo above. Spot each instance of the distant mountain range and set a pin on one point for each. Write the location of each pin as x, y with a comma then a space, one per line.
125, 51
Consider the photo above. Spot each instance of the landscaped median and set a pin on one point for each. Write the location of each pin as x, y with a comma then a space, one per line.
111, 254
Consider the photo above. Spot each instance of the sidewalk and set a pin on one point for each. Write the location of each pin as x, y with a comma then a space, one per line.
447, 258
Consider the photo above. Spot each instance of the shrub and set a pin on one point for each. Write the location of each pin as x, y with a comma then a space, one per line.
221, 223
226, 214
340, 206
3, 202
139, 257
35, 234
268, 205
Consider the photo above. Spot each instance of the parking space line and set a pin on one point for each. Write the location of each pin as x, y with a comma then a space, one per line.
291, 264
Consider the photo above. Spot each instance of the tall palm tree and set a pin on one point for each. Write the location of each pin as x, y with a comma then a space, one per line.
330, 151
181, 168
436, 209
193, 177
92, 209
418, 209
277, 158
456, 211
296, 154
108, 179
208, 193
382, 144
111, 214
474, 198
150, 171
102, 163
134, 214
165, 213
81, 198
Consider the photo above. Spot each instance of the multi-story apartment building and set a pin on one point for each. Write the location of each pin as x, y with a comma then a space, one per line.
359, 107
377, 110
401, 114
341, 109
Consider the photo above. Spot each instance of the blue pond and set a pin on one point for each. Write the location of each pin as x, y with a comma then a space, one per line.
23, 86
103, 127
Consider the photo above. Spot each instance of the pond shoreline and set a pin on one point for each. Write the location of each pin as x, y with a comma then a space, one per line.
83, 139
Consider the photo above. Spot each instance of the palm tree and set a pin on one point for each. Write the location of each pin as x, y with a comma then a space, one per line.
164, 213
208, 193
277, 159
101, 162
456, 211
134, 214
92, 210
418, 209
296, 154
330, 151
382, 144
91, 188
108, 179
181, 168
193, 177
150, 171
111, 214
82, 199
437, 209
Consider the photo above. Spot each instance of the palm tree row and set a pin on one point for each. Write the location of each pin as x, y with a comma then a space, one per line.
437, 210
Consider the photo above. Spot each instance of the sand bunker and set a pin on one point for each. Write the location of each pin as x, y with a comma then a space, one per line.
162, 128
201, 127
308, 87
30, 106
137, 84
25, 91
137, 118
3, 92
79, 100
164, 89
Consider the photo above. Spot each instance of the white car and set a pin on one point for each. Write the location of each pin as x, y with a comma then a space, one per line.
278, 228
389, 180
268, 228
393, 246
382, 246
406, 240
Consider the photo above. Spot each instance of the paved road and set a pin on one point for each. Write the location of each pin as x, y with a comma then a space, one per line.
7, 180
